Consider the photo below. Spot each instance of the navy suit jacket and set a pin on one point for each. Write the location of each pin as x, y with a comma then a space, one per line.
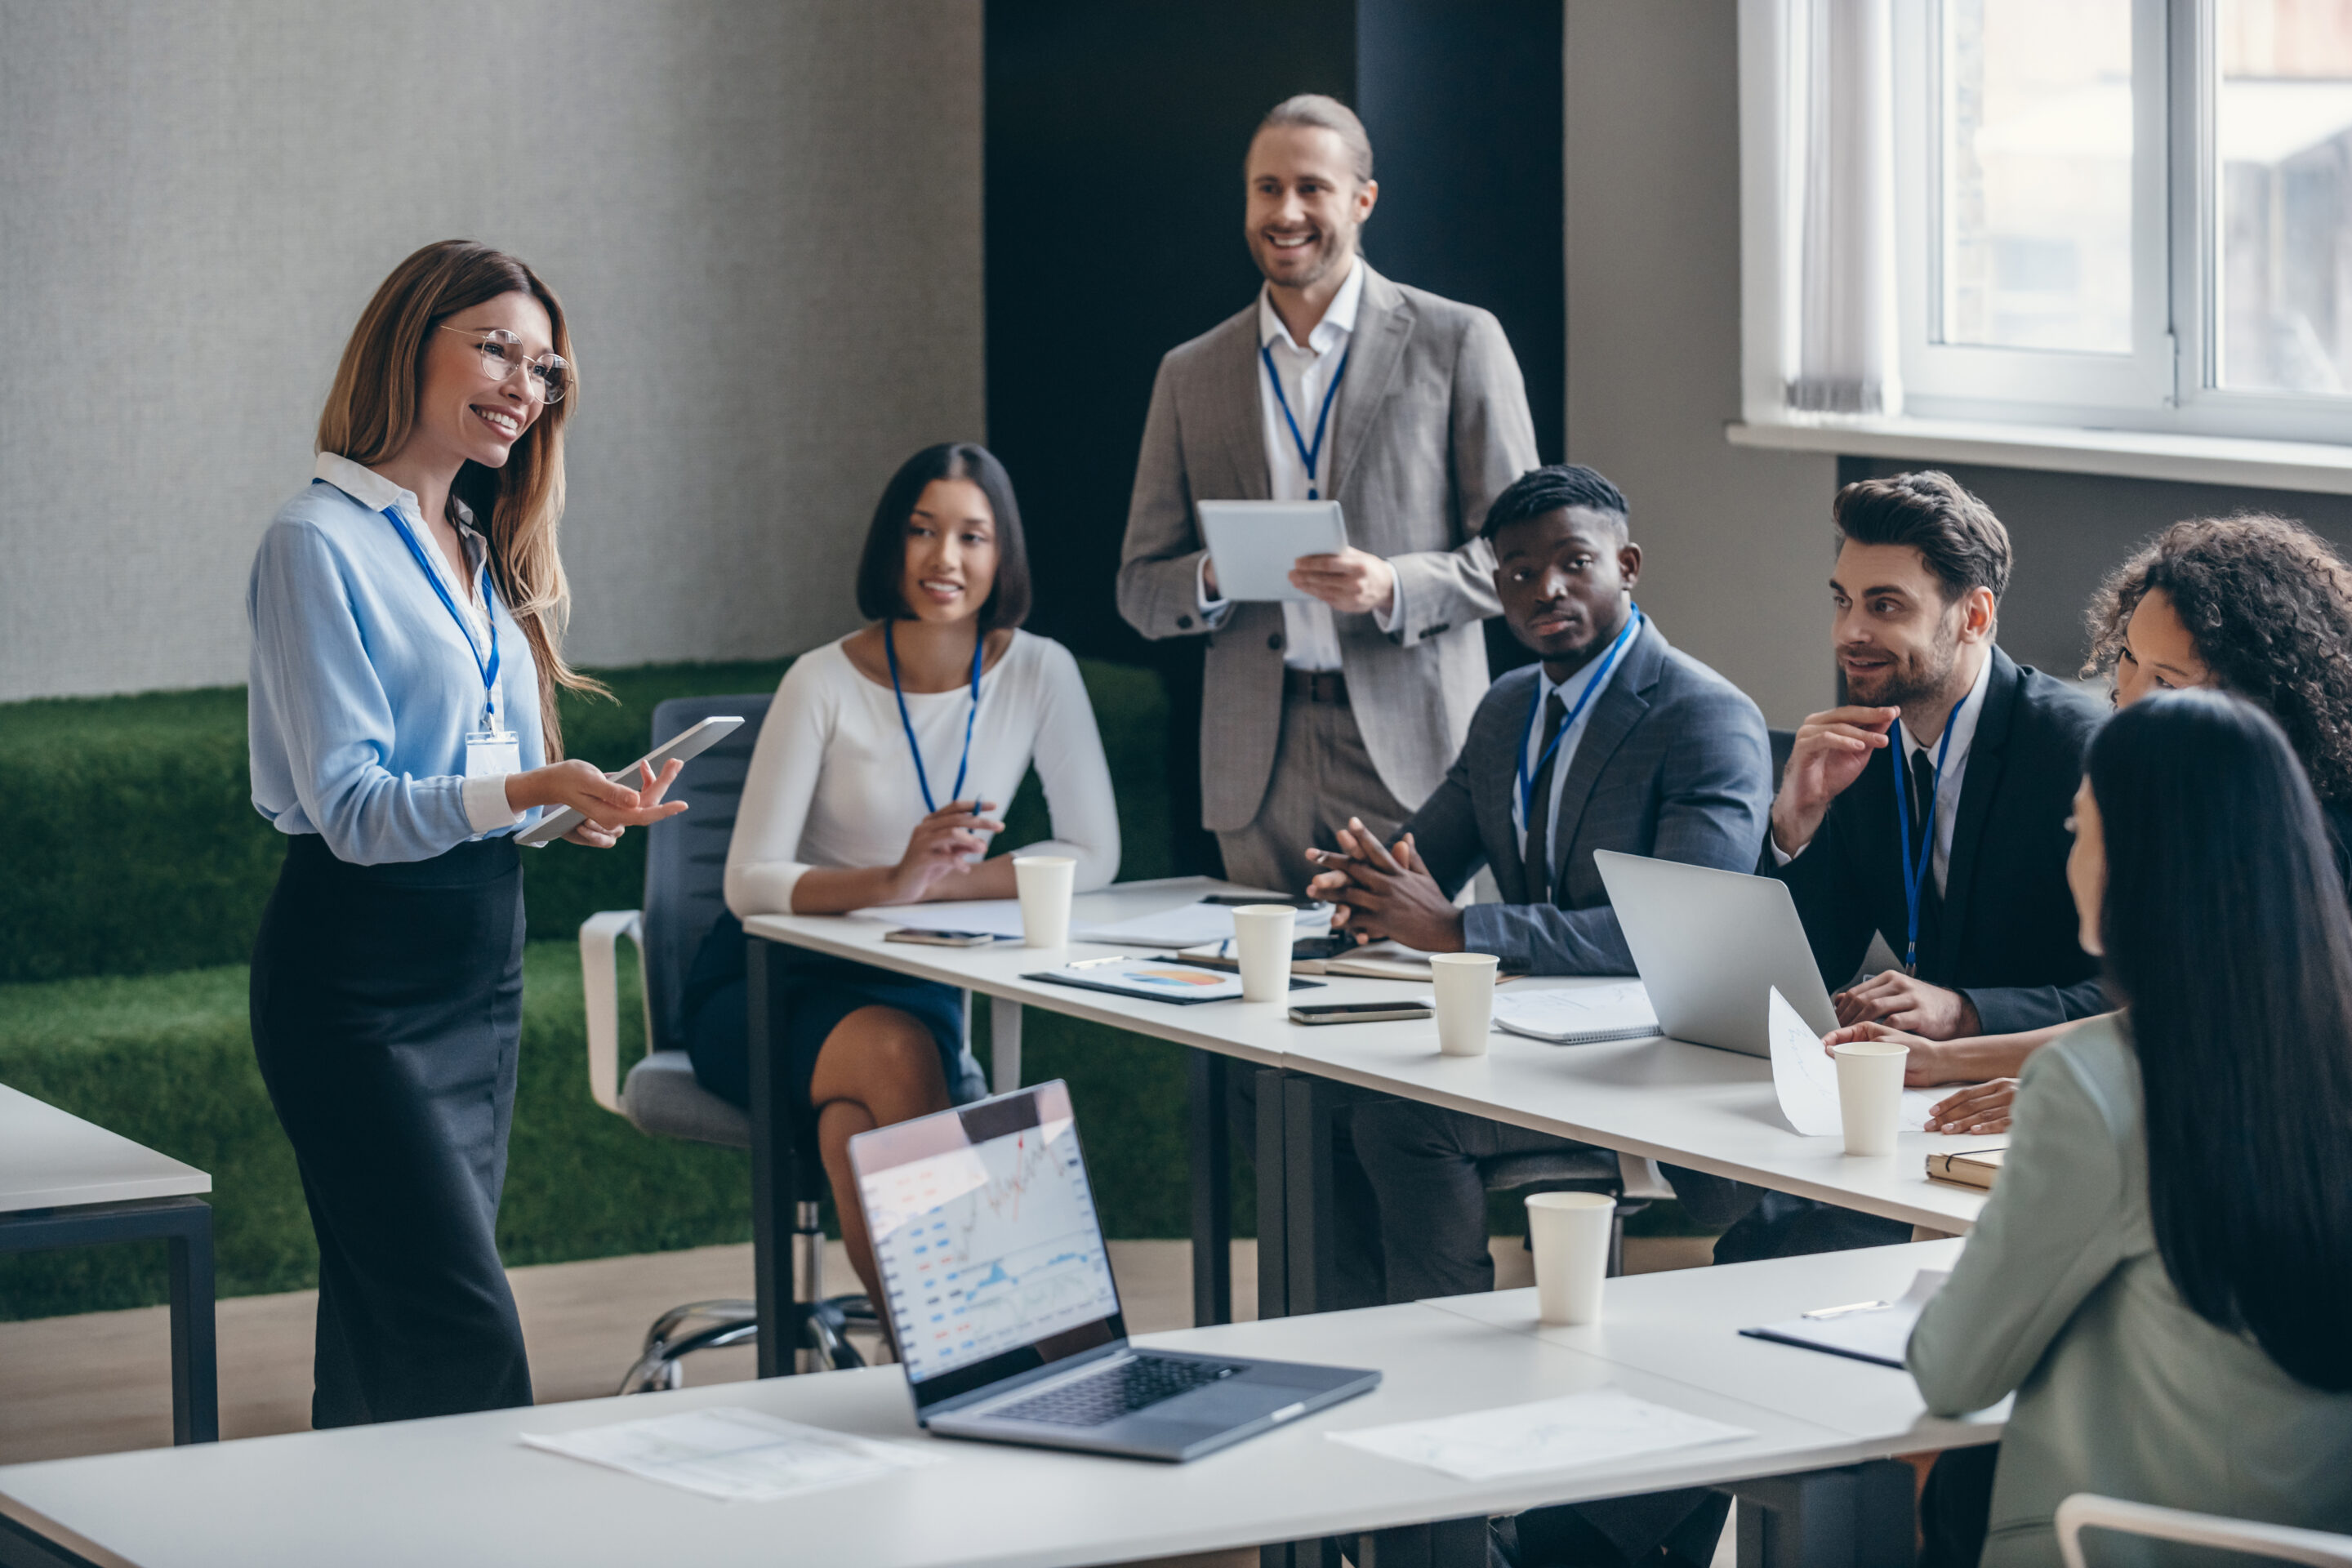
2007, 938
1673, 762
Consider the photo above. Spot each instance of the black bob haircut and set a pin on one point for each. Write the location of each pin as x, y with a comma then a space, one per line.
2228, 939
1554, 488
1962, 541
883, 567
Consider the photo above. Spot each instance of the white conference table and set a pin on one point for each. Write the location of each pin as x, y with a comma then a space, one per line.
65, 1182
1688, 1105
461, 1490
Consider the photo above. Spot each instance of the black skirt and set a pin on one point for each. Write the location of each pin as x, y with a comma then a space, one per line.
387, 1011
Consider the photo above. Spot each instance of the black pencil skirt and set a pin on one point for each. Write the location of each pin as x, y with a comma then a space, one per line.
387, 1010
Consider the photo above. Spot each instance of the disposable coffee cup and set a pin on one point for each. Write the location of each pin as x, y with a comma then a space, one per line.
1262, 937
1870, 1093
1044, 882
1569, 1233
1464, 983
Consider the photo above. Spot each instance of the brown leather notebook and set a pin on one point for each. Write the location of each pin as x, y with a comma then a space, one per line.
1969, 1168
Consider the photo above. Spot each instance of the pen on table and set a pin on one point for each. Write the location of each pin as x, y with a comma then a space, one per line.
1850, 1307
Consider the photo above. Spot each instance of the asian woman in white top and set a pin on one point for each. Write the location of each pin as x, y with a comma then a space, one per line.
878, 777
405, 609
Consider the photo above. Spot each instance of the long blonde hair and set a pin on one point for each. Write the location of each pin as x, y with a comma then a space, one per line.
371, 409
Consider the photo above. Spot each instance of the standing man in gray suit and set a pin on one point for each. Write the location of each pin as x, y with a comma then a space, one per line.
1336, 383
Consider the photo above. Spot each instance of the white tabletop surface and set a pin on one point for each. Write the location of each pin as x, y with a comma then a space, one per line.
1688, 1105
461, 1490
51, 1160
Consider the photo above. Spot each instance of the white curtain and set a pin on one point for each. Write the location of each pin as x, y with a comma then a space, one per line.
1840, 350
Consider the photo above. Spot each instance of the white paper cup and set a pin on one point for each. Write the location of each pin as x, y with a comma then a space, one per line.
1569, 1233
1466, 1000
1870, 1094
1262, 937
1044, 882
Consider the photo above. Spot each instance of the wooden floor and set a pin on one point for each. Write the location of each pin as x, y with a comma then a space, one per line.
100, 1383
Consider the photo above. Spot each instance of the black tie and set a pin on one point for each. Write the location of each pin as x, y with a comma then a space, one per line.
1540, 811
1923, 844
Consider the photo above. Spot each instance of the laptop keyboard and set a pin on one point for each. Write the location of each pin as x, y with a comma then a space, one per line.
1118, 1391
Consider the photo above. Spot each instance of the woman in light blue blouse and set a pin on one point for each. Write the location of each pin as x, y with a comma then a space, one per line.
405, 609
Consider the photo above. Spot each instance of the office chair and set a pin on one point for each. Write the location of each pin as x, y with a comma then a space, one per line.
2283, 1543
686, 867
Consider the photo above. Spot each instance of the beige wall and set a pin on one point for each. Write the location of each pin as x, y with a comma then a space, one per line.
1738, 540
763, 217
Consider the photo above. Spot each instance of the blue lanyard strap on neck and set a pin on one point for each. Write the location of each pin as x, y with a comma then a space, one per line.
1526, 779
891, 652
1307, 455
488, 668
1914, 871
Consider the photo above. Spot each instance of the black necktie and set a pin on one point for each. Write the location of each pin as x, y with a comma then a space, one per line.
1923, 844
1540, 811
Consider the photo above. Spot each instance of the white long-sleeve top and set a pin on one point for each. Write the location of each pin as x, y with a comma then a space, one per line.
831, 783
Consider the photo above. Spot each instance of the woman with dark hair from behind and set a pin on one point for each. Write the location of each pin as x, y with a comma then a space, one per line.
2164, 1273
876, 773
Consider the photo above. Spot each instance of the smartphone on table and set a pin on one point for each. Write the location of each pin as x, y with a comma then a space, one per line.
940, 938
1358, 1012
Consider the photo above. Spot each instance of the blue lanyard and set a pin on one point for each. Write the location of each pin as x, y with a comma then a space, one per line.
1535, 708
1307, 455
1915, 872
890, 651
490, 670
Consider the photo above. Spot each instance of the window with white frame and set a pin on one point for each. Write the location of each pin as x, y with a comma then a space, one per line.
2119, 215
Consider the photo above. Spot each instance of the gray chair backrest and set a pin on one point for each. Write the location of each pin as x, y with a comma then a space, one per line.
686, 858
1783, 742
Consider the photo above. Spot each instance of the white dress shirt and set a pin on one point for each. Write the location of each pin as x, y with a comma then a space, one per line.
1594, 678
1963, 726
1310, 638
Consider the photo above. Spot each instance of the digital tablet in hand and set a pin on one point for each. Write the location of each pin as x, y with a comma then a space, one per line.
679, 748
1254, 544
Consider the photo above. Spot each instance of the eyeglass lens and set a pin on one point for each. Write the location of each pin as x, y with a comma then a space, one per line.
502, 356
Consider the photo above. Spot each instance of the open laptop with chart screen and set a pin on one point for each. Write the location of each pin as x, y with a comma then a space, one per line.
1007, 1318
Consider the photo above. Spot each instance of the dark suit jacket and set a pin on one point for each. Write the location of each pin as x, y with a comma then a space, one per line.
2007, 938
1674, 763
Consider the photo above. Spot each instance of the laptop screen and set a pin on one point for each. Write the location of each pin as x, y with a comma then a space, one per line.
985, 1234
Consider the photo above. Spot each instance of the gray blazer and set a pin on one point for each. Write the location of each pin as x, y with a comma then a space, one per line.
1431, 424
1674, 763
2061, 1295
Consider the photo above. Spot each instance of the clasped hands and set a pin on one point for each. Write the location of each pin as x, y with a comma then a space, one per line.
1353, 582
1981, 1107
1384, 894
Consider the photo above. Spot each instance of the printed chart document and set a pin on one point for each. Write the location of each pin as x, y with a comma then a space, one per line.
1598, 1426
733, 1454
1805, 1078
996, 916
1865, 1331
1582, 1015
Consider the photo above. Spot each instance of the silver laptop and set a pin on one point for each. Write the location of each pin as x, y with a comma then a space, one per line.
1710, 946
1007, 1317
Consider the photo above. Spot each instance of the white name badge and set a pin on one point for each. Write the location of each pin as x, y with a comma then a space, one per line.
493, 754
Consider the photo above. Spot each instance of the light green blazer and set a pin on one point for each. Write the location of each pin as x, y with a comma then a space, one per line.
2061, 1295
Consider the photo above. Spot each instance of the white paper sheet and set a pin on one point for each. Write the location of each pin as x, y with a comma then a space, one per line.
1187, 925
997, 917
1589, 1013
735, 1455
1598, 1426
1805, 1078
1875, 1331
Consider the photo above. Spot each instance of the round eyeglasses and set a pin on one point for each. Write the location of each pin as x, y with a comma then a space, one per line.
550, 375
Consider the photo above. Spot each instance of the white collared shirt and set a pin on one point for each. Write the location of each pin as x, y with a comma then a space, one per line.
1963, 726
485, 798
1310, 638
1594, 678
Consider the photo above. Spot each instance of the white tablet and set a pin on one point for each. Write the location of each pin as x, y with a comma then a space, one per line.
686, 744
1254, 544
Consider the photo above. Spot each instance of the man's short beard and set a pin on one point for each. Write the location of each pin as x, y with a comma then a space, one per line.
1903, 691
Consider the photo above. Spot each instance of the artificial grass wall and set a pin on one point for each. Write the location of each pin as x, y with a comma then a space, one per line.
137, 850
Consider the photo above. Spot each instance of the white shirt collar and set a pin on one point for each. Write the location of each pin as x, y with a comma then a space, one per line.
376, 493
1962, 723
1338, 321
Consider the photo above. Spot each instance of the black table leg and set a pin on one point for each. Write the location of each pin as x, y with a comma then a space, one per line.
1309, 1251
1858, 1516
1212, 1192
185, 1226
1273, 1204
773, 1198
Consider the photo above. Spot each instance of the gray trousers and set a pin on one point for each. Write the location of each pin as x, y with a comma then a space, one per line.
1322, 776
